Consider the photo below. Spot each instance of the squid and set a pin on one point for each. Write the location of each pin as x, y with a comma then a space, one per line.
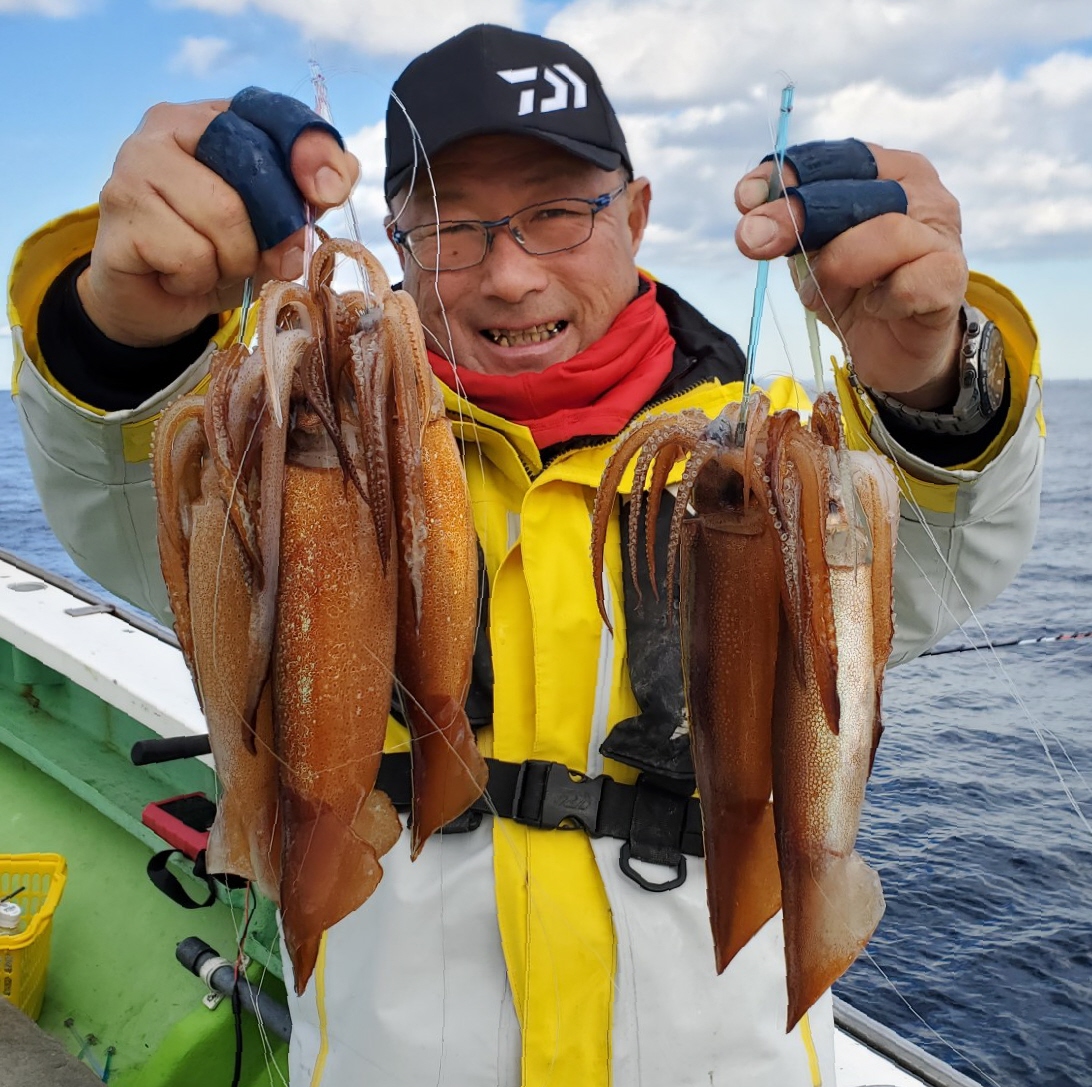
786, 542
317, 543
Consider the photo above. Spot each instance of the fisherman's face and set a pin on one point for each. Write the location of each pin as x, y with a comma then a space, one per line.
515, 312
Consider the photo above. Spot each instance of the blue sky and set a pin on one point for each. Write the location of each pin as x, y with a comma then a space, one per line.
998, 95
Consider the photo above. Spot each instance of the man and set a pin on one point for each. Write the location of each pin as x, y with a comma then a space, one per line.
518, 953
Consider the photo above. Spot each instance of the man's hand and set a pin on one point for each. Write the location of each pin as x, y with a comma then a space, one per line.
174, 242
893, 284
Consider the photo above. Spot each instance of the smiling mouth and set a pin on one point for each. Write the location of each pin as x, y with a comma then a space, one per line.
522, 337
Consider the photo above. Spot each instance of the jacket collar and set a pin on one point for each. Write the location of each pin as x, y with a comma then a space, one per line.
703, 355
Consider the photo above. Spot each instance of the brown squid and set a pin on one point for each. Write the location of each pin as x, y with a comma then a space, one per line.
317, 544
787, 544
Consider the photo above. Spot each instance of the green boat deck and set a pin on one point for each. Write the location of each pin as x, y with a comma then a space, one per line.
67, 786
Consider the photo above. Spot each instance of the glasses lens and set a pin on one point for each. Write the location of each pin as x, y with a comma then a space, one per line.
448, 246
550, 228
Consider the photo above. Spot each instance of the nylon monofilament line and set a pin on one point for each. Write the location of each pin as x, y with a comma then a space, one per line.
763, 274
322, 108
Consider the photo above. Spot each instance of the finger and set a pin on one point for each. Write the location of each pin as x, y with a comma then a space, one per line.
182, 125
753, 189
831, 208
285, 261
321, 170
929, 288
324, 172
927, 199
771, 230
868, 254
159, 241
160, 171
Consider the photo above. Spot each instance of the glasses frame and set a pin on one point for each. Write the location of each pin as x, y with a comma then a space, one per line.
491, 226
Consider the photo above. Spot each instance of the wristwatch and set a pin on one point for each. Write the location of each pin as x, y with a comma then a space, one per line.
982, 375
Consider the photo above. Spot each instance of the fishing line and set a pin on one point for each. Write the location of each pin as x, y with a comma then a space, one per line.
418, 144
802, 263
919, 513
932, 1030
973, 618
538, 896
271, 1064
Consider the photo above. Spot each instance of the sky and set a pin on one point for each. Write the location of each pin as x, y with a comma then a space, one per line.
998, 95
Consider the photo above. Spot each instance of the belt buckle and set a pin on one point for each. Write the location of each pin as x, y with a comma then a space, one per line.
550, 796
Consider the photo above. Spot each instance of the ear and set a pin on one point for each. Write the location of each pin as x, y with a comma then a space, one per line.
639, 197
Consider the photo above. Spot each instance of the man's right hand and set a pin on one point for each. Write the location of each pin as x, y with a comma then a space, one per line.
174, 241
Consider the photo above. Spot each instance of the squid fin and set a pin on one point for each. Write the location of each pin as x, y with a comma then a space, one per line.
830, 915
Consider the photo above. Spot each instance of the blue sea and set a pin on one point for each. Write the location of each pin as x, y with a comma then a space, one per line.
985, 954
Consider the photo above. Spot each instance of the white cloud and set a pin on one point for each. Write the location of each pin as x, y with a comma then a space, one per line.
681, 51
54, 9
369, 206
376, 26
996, 94
198, 56
1015, 149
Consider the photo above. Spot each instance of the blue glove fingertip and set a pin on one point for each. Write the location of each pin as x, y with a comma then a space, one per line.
830, 160
282, 117
833, 207
250, 147
250, 161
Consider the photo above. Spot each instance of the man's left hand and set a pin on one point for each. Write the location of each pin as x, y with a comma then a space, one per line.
891, 287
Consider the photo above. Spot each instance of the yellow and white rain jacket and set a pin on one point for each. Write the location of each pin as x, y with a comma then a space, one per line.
511, 955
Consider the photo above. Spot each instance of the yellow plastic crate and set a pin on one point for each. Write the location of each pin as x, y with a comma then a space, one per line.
24, 955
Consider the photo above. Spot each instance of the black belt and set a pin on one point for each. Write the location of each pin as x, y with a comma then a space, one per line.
655, 824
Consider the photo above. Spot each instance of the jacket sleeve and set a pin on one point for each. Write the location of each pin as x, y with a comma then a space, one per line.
965, 530
92, 469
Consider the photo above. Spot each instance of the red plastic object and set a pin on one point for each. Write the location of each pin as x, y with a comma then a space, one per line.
181, 821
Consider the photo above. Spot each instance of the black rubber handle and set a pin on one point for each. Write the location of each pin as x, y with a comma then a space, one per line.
192, 953
145, 752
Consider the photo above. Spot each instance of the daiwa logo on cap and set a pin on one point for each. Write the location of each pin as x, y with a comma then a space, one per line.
560, 76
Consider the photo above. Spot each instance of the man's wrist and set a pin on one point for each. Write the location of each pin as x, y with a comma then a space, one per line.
940, 392
98, 370
980, 382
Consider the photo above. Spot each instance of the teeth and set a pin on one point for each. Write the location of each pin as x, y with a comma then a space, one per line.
507, 337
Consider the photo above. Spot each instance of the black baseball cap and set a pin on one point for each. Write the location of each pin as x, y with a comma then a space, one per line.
491, 79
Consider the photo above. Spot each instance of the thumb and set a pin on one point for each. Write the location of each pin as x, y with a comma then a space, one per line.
324, 173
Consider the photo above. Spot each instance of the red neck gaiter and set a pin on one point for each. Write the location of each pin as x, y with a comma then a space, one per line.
596, 392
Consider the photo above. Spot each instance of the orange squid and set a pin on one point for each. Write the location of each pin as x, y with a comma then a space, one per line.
317, 543
787, 546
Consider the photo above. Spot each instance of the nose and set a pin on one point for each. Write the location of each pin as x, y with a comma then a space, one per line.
509, 272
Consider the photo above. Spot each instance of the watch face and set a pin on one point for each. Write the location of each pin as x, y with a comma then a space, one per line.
991, 369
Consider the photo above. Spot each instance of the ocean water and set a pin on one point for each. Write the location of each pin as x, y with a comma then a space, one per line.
985, 954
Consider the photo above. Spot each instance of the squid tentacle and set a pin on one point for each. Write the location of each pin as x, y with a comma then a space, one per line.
671, 453
630, 441
700, 456
640, 502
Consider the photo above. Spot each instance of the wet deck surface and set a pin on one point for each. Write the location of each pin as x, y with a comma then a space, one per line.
31, 1058
112, 967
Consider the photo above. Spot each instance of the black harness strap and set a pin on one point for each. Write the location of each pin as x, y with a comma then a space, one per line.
167, 882
656, 823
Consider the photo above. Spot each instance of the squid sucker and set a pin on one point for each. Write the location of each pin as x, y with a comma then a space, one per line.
786, 543
318, 547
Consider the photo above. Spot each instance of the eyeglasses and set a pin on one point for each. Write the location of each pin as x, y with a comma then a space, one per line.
454, 244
